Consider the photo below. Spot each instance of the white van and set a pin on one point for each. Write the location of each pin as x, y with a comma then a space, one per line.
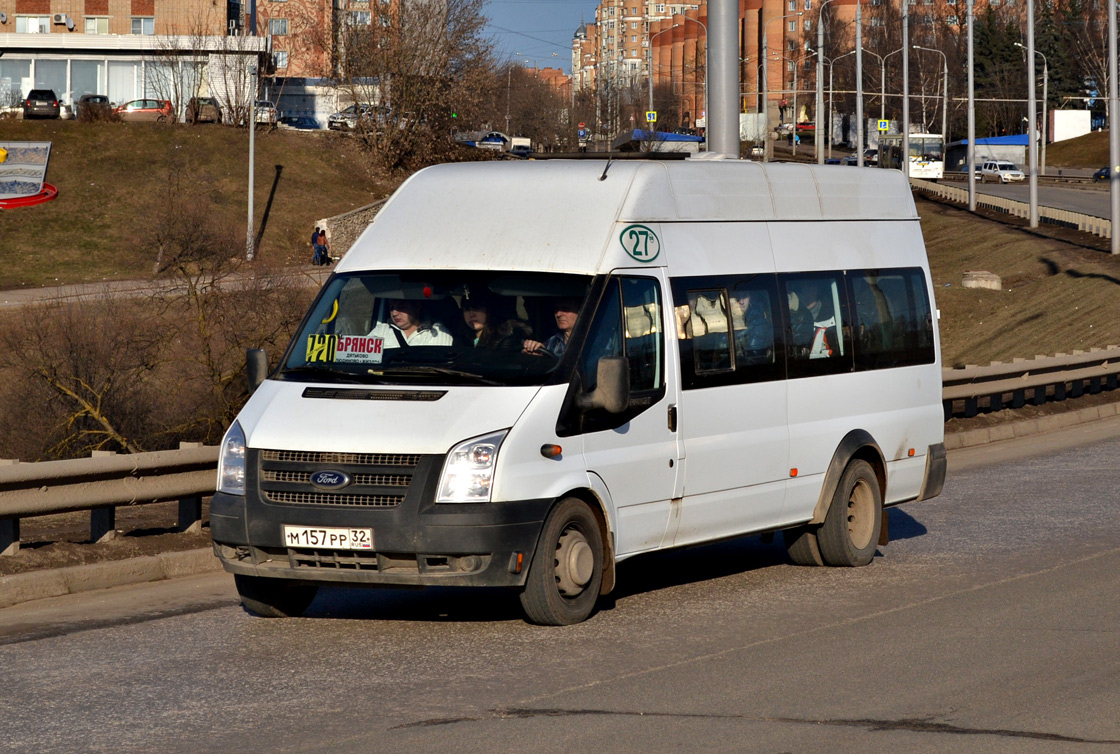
644, 355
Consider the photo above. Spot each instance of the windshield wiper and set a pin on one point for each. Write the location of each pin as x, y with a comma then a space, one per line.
403, 369
322, 371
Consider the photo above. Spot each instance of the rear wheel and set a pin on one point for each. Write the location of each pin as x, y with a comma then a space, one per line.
274, 598
567, 570
850, 532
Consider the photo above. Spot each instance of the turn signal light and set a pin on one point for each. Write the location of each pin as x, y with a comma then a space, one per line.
910, 452
793, 472
551, 451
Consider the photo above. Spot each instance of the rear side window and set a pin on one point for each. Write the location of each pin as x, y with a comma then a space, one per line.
817, 326
893, 321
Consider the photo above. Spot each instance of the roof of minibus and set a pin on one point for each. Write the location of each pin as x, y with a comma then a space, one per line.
561, 215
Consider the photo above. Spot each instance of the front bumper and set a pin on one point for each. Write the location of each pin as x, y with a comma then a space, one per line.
415, 543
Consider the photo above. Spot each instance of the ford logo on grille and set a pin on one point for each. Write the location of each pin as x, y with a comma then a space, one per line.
330, 479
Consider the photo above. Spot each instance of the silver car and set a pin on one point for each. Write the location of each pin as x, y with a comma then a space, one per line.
1000, 172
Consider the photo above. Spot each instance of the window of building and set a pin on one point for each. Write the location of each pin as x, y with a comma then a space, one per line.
97, 25
277, 27
143, 25
808, 4
360, 18
793, 26
875, 21
789, 65
793, 4
660, 8
952, 21
633, 38
280, 58
807, 25
33, 24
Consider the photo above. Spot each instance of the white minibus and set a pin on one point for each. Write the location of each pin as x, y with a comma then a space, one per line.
523, 373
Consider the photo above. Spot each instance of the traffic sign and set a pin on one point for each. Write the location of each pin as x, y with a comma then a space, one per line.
651, 116
582, 132
884, 126
583, 125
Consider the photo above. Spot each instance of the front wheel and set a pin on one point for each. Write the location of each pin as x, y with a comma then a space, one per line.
274, 598
850, 532
567, 570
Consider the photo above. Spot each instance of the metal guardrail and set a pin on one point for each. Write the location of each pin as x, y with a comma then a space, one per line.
1098, 226
189, 474
101, 483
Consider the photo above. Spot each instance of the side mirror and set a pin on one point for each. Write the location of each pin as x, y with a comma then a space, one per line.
612, 389
256, 367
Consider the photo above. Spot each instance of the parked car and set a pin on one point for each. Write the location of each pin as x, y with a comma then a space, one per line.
1000, 172
757, 152
832, 161
203, 110
157, 110
1102, 175
41, 103
521, 150
91, 107
871, 157
265, 113
298, 122
850, 159
494, 140
347, 120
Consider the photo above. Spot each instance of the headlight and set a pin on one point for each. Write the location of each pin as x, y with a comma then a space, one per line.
231, 463
468, 472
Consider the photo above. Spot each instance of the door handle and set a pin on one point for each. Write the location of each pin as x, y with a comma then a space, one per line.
673, 418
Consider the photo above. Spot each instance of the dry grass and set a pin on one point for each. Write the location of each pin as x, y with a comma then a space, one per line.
1088, 151
1057, 296
108, 174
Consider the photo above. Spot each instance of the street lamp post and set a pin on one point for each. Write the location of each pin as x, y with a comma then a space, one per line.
820, 86
766, 81
1045, 123
832, 64
250, 250
945, 92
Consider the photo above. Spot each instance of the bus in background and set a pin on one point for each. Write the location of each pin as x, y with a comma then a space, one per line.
927, 154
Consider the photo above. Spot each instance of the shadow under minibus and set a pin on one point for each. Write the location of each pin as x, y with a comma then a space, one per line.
642, 574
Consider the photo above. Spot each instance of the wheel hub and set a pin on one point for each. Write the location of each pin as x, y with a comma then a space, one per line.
575, 563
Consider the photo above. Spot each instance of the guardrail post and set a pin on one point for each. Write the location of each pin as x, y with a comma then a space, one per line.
102, 521
9, 527
9, 536
190, 508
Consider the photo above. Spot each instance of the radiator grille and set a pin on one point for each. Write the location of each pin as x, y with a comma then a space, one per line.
377, 480
333, 498
356, 459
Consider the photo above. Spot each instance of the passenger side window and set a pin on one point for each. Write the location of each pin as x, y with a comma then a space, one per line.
893, 321
709, 327
817, 327
726, 328
645, 340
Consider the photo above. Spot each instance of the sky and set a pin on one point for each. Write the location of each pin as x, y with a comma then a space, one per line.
530, 31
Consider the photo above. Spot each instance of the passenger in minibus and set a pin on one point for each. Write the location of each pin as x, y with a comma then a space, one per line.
566, 312
490, 327
410, 326
754, 333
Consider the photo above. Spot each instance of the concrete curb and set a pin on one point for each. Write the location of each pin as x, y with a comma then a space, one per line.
37, 585
1042, 425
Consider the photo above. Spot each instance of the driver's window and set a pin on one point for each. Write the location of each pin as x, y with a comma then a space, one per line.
605, 336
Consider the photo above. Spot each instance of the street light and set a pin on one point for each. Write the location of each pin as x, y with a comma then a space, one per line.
250, 250
945, 91
796, 61
1045, 123
820, 86
766, 80
834, 61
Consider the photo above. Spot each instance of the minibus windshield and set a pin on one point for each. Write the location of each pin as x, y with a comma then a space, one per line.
448, 326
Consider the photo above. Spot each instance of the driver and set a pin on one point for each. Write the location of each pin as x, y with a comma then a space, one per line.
566, 312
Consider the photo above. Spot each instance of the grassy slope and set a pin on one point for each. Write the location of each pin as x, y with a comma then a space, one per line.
109, 174
1088, 151
1057, 296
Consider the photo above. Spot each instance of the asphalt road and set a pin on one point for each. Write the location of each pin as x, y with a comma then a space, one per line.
1086, 199
990, 624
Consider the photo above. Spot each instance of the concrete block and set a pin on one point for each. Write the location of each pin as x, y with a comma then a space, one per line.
36, 585
982, 279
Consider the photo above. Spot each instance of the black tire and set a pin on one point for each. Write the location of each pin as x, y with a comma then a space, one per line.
274, 598
567, 570
802, 547
850, 532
